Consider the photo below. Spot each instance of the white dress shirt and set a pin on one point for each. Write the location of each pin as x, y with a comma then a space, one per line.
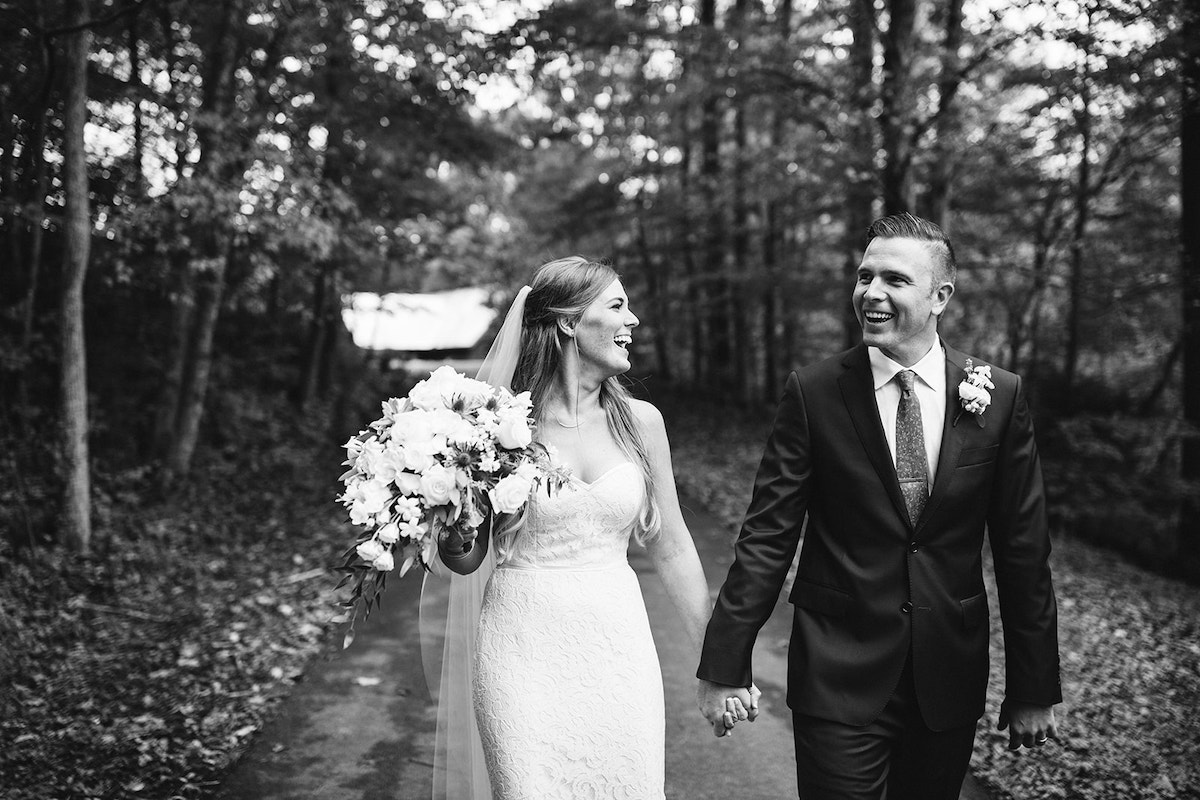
930, 387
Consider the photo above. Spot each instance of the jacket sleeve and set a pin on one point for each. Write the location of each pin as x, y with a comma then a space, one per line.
1020, 541
765, 547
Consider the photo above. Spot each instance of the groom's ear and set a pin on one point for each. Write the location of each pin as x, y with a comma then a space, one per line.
942, 295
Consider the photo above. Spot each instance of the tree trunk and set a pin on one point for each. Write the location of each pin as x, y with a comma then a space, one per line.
77, 229
1189, 517
860, 192
135, 97
895, 102
657, 285
316, 337
209, 295
713, 287
772, 294
183, 303
945, 127
1082, 209
738, 329
695, 299
211, 258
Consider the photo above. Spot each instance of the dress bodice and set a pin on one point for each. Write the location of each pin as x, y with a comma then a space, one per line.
582, 525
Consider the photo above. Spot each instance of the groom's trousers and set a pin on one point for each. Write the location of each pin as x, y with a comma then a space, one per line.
835, 761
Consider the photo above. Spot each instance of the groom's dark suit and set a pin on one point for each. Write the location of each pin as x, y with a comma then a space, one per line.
872, 588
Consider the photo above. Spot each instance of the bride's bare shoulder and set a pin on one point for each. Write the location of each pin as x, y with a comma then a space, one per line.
649, 417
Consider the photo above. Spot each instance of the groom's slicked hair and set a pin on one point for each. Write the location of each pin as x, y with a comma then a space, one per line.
910, 226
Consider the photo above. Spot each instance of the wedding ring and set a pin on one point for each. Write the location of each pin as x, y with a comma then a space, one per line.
1042, 740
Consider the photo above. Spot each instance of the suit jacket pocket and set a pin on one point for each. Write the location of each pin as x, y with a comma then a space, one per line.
974, 610
821, 599
974, 456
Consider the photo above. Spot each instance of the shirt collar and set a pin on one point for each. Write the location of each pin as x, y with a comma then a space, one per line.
931, 368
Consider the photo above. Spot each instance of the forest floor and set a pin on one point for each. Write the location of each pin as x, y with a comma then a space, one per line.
146, 669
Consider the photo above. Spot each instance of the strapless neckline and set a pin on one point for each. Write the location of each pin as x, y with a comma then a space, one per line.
602, 476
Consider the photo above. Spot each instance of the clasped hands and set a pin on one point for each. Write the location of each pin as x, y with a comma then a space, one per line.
726, 706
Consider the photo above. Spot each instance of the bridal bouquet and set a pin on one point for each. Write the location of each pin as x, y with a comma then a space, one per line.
452, 455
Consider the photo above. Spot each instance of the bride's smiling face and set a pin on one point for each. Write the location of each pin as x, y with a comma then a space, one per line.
605, 331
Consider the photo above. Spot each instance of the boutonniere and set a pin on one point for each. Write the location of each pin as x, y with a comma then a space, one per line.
973, 391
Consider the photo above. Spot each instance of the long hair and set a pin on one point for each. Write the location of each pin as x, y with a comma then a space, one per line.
562, 290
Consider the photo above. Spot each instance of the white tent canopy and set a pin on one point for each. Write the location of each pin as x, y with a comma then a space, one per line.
453, 320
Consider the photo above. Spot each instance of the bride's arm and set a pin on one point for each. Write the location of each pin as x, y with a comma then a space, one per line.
673, 552
678, 564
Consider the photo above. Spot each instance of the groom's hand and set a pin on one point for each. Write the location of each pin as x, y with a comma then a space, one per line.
725, 706
1028, 725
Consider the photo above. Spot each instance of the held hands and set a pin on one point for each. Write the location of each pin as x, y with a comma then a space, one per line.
1028, 725
725, 706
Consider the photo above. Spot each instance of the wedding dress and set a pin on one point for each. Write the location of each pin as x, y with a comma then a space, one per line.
567, 689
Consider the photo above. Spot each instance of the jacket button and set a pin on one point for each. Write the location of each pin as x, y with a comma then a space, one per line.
912, 547
907, 607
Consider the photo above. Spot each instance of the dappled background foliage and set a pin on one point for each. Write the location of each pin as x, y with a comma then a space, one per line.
248, 163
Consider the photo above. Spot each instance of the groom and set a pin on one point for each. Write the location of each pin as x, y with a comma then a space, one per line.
898, 479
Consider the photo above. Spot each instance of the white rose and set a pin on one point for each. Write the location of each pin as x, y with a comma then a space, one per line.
384, 562
414, 426
369, 497
418, 456
388, 534
370, 550
513, 433
437, 485
970, 392
975, 398
451, 425
509, 495
434, 391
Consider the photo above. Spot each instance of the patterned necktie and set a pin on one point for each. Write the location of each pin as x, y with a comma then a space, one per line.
912, 467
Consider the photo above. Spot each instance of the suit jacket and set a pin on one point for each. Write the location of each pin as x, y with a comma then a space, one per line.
871, 587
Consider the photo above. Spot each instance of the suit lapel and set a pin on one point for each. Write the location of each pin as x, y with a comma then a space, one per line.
858, 393
952, 435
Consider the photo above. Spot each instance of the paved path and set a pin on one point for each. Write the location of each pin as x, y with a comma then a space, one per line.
360, 724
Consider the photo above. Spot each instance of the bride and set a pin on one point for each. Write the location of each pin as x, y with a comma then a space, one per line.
565, 687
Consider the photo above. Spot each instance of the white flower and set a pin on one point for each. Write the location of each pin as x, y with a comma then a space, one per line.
370, 550
440, 387
384, 562
509, 495
437, 485
367, 498
973, 390
408, 508
522, 401
419, 456
388, 534
412, 530
451, 425
409, 483
513, 432
974, 398
412, 426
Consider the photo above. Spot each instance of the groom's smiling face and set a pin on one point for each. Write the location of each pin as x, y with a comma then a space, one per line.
898, 298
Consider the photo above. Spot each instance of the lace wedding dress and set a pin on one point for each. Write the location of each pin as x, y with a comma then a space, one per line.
567, 689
